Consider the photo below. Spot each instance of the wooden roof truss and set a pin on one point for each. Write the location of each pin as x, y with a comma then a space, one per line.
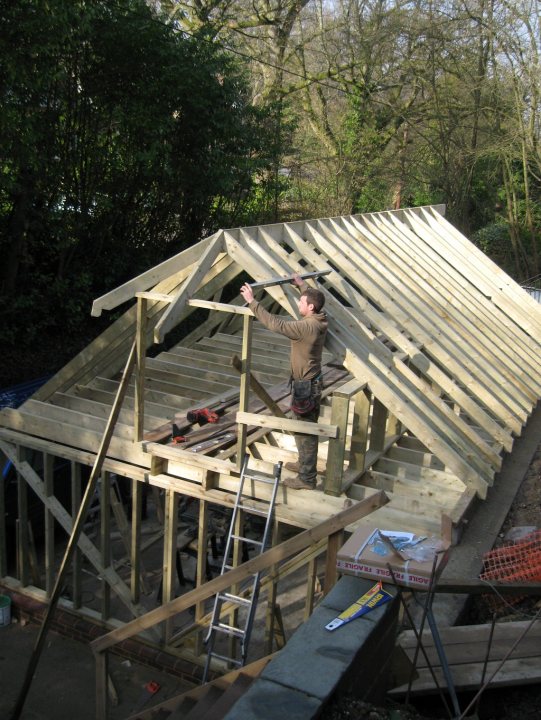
431, 370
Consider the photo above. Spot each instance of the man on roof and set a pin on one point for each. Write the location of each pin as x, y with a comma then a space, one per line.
307, 337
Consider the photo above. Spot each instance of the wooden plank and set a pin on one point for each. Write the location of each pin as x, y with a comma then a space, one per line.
473, 316
70, 453
466, 649
76, 496
258, 389
393, 518
359, 431
101, 408
415, 354
443, 351
256, 263
459, 302
270, 455
140, 344
419, 473
168, 380
522, 671
421, 457
222, 307
158, 297
177, 454
114, 343
228, 345
288, 425
170, 318
244, 398
176, 366
289, 279
65, 433
207, 359
22, 528
136, 579
266, 559
416, 487
416, 421
74, 418
101, 385
475, 586
337, 446
402, 497
105, 542
421, 304
502, 289
151, 277
49, 550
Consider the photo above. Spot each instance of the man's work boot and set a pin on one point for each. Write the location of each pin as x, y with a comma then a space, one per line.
297, 484
293, 466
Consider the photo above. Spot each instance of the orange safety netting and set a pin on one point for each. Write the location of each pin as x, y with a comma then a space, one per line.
515, 562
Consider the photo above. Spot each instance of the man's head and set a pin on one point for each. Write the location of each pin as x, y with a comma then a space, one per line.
311, 302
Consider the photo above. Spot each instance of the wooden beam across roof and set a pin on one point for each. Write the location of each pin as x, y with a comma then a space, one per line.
170, 318
151, 277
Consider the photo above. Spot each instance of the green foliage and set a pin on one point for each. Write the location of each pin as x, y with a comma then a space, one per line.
494, 240
121, 138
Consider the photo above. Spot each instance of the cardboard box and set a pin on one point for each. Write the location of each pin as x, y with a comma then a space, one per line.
370, 550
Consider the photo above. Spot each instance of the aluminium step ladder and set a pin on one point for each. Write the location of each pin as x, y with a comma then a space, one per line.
247, 597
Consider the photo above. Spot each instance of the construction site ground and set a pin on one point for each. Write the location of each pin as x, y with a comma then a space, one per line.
63, 686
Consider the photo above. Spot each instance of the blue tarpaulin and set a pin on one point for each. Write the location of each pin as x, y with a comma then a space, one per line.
14, 396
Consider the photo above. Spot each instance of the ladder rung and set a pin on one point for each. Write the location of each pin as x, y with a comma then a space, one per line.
225, 658
260, 478
247, 540
228, 630
229, 597
254, 511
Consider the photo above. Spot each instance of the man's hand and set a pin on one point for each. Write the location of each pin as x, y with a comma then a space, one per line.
297, 280
247, 293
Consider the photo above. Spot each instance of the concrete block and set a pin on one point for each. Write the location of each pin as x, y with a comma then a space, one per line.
267, 700
314, 659
316, 663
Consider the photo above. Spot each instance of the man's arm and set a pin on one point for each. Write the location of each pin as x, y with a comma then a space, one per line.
292, 329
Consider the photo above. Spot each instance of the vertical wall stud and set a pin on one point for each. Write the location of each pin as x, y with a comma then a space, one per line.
23, 562
105, 541
48, 486
77, 556
244, 384
169, 555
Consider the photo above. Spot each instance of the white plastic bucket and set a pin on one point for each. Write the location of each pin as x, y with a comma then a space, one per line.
5, 610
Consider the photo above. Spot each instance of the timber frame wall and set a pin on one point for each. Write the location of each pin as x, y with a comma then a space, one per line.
432, 368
